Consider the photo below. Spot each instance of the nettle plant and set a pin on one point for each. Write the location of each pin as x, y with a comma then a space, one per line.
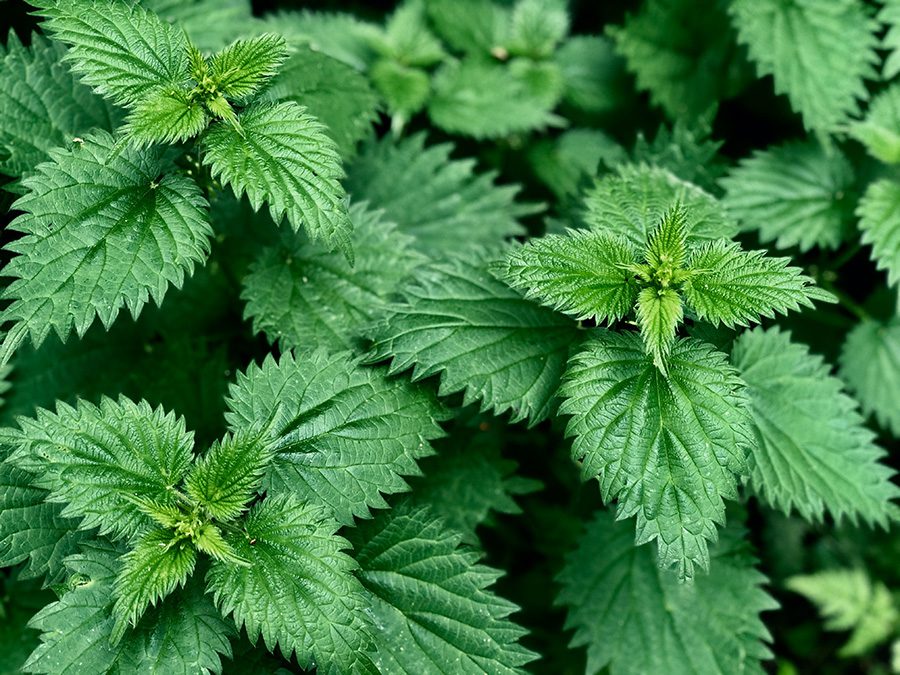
367, 364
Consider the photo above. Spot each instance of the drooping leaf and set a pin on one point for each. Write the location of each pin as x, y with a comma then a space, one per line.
184, 636
581, 273
879, 221
302, 295
683, 52
812, 451
32, 530
283, 157
870, 365
632, 201
475, 97
102, 460
850, 601
734, 287
819, 53
299, 591
120, 49
151, 570
635, 618
669, 448
441, 201
343, 434
483, 338
335, 93
431, 601
42, 105
102, 231
796, 194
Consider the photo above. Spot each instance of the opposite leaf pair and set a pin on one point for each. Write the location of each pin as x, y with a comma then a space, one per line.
596, 275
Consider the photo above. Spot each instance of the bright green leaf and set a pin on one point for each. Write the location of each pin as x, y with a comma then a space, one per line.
870, 365
879, 221
240, 69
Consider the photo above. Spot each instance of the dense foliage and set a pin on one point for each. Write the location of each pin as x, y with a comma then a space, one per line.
462, 336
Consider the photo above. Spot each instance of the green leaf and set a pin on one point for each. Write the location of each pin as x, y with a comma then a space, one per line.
32, 530
340, 36
635, 618
431, 600
210, 24
890, 16
668, 448
537, 27
819, 53
405, 89
240, 69
734, 287
102, 230
343, 434
441, 201
482, 338
282, 156
687, 150
156, 566
683, 53
333, 92
632, 201
880, 130
42, 105
302, 295
849, 601
470, 26
184, 636
812, 451
101, 460
870, 365
796, 194
484, 100
594, 75
229, 475
659, 311
406, 38
121, 50
299, 592
165, 116
879, 221
565, 164
584, 274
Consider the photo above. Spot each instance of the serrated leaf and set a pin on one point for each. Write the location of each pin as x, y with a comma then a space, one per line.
537, 27
594, 75
343, 434
482, 338
406, 38
849, 601
443, 202
302, 295
184, 636
658, 312
870, 365
567, 163
635, 618
584, 274
818, 53
240, 69
210, 24
668, 448
880, 130
42, 105
32, 530
734, 287
99, 460
102, 230
481, 99
632, 201
890, 16
812, 451
151, 570
165, 116
405, 89
339, 35
283, 157
430, 600
796, 194
121, 50
223, 480
335, 93
879, 221
471, 26
299, 592
687, 150
683, 53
